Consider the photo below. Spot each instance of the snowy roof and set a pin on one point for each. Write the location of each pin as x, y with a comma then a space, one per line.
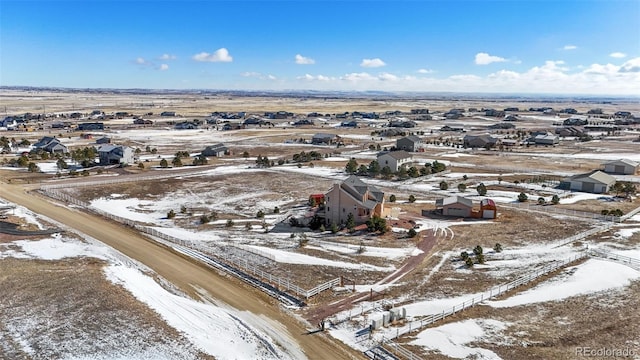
623, 161
595, 175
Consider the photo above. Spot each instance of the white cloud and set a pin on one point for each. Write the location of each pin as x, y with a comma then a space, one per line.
425, 71
167, 57
569, 47
220, 55
309, 77
387, 77
363, 76
618, 55
250, 74
301, 60
271, 77
164, 67
486, 59
372, 63
631, 66
141, 61
257, 75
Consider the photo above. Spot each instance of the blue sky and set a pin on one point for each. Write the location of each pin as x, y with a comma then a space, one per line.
540, 46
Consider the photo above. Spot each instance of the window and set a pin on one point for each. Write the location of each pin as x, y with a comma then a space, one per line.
328, 208
343, 210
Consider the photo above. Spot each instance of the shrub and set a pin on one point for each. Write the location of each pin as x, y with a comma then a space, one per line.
480, 258
412, 233
464, 255
171, 214
555, 199
260, 214
541, 201
522, 197
481, 189
412, 199
477, 250
276, 210
444, 185
462, 187
497, 247
469, 262
392, 198
204, 219
229, 223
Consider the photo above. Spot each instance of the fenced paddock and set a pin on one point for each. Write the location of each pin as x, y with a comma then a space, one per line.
236, 258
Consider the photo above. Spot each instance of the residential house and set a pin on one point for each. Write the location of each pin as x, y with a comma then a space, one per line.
90, 126
186, 125
115, 154
51, 145
231, 126
575, 122
494, 113
546, 139
454, 206
510, 142
411, 143
142, 122
569, 131
402, 123
324, 139
596, 182
168, 113
8, 123
353, 196
216, 150
395, 159
351, 123
479, 141
103, 140
622, 166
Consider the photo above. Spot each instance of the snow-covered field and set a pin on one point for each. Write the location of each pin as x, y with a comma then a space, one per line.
222, 332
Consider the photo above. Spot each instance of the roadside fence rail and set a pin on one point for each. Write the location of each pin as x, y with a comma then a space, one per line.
416, 325
232, 255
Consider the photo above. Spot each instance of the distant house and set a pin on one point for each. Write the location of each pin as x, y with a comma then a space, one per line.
103, 140
115, 154
394, 159
568, 131
216, 150
168, 113
494, 113
351, 123
353, 196
454, 206
51, 145
142, 122
510, 142
546, 139
622, 166
9, 123
402, 123
596, 182
574, 122
253, 121
410, 143
186, 125
90, 126
452, 128
303, 122
324, 139
479, 141
231, 126
459, 206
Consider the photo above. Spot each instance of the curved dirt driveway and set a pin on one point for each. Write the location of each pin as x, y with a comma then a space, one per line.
182, 272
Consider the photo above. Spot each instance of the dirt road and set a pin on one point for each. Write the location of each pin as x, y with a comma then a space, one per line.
183, 272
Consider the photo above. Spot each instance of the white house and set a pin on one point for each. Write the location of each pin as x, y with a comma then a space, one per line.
395, 159
622, 166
